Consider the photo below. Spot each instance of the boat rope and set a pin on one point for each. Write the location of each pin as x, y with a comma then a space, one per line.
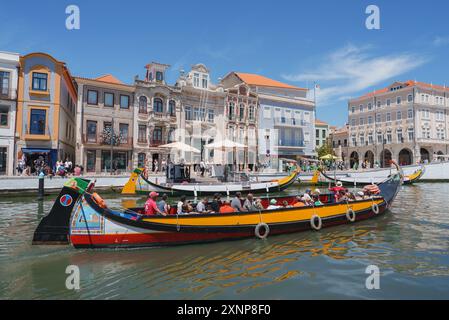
85, 222
178, 227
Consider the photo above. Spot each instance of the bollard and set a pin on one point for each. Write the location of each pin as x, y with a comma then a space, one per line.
41, 186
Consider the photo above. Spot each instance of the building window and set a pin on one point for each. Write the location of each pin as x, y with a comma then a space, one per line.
4, 115
196, 80
251, 114
410, 113
370, 120
108, 99
398, 100
388, 102
141, 160
157, 135
266, 112
362, 140
124, 101
411, 134
205, 81
242, 112
317, 133
159, 76
399, 136
4, 82
370, 106
410, 98
425, 114
440, 134
399, 115
124, 131
426, 133
388, 117
379, 104
142, 133
353, 109
38, 120
362, 121
158, 106
91, 131
439, 115
92, 97
323, 134
188, 111
378, 118
91, 159
380, 138
370, 138
389, 137
40, 81
353, 122
143, 104
231, 111
172, 107
211, 115
196, 114
361, 108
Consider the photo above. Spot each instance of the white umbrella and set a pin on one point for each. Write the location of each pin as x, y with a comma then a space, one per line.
180, 146
225, 144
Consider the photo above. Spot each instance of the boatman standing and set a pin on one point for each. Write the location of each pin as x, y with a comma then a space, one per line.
151, 208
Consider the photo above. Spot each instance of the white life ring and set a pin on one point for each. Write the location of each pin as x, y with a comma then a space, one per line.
350, 215
265, 234
375, 208
313, 223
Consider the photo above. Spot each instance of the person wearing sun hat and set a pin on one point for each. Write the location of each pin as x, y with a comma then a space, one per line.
338, 190
273, 205
151, 208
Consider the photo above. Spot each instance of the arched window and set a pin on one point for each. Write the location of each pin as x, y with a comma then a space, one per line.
172, 107
143, 104
231, 111
158, 105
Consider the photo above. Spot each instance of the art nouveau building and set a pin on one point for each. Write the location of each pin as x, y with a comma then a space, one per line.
46, 108
202, 120
407, 121
157, 116
104, 124
9, 63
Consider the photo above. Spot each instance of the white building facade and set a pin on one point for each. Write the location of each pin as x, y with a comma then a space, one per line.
9, 62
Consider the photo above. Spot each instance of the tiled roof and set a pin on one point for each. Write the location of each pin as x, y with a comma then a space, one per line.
320, 122
407, 83
257, 80
109, 78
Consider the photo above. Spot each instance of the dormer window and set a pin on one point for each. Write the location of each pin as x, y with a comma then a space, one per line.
204, 82
196, 80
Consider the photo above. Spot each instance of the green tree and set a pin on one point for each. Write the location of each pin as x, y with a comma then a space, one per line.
324, 150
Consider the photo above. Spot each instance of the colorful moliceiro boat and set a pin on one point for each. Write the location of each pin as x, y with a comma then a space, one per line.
138, 184
364, 178
83, 219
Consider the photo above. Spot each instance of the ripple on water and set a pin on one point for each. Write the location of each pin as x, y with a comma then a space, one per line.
410, 246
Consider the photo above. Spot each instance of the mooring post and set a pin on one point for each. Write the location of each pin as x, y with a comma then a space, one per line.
41, 186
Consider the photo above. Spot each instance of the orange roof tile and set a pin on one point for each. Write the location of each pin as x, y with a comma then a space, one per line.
109, 78
257, 80
320, 122
407, 83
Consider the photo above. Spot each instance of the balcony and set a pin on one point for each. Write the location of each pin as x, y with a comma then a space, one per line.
291, 143
92, 139
289, 122
156, 143
8, 94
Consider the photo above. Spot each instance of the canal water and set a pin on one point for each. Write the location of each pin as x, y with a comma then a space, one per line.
410, 246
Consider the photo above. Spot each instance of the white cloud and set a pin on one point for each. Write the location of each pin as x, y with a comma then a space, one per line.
351, 70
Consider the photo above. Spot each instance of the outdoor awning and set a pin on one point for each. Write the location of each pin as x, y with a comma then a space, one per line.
33, 150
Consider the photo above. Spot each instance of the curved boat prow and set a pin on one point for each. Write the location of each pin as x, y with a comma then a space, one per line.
54, 228
390, 187
130, 186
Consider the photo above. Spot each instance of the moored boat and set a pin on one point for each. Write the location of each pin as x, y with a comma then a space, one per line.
139, 184
84, 220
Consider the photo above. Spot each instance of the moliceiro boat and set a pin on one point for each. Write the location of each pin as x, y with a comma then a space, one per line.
83, 219
138, 184
364, 178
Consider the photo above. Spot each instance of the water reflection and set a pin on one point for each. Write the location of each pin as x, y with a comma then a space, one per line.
410, 246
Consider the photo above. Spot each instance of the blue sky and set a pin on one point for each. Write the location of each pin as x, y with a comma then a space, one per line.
297, 42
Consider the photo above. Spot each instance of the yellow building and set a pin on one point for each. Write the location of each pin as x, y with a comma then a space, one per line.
46, 101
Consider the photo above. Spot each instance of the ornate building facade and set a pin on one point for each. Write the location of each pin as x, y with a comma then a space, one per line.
407, 121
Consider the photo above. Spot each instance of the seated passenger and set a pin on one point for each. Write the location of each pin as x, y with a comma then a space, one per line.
286, 205
337, 190
360, 196
163, 206
236, 202
151, 206
258, 204
316, 200
308, 200
226, 207
182, 205
299, 203
216, 203
201, 206
248, 205
273, 205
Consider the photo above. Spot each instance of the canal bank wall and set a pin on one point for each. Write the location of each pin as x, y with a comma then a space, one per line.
28, 186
